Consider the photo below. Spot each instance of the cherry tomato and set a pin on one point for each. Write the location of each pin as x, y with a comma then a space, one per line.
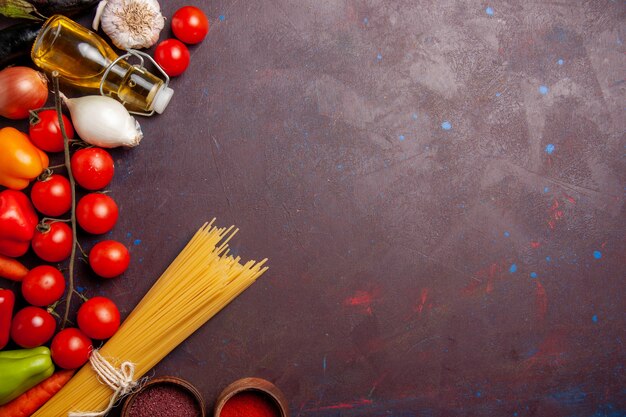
109, 258
45, 133
92, 168
32, 327
55, 244
70, 348
96, 213
99, 318
190, 24
43, 285
173, 56
52, 196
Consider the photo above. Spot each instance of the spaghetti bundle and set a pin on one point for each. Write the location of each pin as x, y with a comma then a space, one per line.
202, 280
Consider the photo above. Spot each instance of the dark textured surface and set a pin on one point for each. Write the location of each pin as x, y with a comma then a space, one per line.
439, 187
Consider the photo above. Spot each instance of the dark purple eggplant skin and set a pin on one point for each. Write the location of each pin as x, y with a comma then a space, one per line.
16, 42
48, 8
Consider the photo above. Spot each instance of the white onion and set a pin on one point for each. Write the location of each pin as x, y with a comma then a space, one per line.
103, 121
21, 89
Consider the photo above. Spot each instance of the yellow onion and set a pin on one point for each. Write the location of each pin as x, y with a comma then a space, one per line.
21, 89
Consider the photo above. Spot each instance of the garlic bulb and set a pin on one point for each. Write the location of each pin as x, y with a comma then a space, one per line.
131, 24
103, 121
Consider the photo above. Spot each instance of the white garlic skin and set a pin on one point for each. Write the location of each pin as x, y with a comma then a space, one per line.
103, 121
131, 24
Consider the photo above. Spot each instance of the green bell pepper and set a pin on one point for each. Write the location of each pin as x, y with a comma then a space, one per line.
20, 370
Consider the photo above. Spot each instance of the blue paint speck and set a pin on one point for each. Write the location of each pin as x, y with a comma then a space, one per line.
137, 242
222, 17
324, 364
550, 148
80, 289
479, 394
560, 62
594, 318
533, 275
366, 20
515, 414
446, 125
543, 89
507, 234
513, 268
339, 167
597, 254
498, 94
414, 116
546, 189
128, 234
489, 11
379, 57
401, 138
548, 259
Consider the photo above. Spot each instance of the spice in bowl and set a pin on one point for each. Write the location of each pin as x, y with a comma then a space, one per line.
170, 397
250, 404
251, 397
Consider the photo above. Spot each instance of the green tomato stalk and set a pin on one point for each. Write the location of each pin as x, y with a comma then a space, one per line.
68, 167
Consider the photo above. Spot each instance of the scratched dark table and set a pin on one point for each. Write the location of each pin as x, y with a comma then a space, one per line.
438, 186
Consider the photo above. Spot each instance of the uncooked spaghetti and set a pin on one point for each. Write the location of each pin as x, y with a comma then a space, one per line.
197, 285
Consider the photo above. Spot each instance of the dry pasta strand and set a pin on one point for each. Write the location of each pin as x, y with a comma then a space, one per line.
201, 281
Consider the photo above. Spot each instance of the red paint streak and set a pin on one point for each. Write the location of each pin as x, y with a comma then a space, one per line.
344, 406
556, 214
362, 299
570, 199
359, 298
487, 275
534, 244
423, 298
541, 301
550, 352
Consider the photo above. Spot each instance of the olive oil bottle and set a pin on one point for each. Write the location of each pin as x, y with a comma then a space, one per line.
84, 59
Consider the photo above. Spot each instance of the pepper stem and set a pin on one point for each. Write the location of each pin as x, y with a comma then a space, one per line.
68, 167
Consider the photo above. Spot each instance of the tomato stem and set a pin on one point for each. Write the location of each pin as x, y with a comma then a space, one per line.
68, 167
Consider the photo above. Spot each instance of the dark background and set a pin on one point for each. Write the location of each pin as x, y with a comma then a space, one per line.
438, 186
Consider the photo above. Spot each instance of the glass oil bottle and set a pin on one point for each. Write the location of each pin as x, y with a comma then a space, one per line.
85, 60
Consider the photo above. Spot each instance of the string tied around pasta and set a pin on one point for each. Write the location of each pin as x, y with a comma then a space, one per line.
120, 380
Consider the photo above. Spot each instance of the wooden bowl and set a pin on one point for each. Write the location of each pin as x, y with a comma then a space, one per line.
165, 380
253, 384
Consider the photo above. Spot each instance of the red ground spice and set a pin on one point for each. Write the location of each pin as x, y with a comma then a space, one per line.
164, 400
250, 404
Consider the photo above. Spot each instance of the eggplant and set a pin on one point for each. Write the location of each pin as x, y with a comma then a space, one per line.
16, 42
42, 9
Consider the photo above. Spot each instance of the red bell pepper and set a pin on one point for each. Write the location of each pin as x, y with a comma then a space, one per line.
17, 223
7, 301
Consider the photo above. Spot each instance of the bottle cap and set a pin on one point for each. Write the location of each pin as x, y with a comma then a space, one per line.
162, 99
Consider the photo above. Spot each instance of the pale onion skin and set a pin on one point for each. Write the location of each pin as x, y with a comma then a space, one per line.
103, 121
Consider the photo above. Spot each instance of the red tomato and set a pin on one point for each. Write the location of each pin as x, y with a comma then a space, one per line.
32, 327
92, 168
70, 348
45, 133
99, 318
52, 196
173, 56
96, 213
55, 244
43, 285
109, 258
190, 24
